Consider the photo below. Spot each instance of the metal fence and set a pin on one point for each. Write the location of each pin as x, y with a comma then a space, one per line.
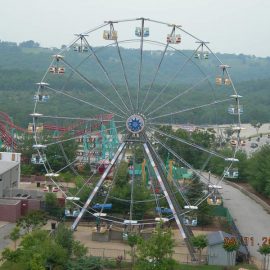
125, 254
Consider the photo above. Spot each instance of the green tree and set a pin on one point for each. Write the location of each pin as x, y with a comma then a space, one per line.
264, 250
65, 238
92, 263
122, 174
78, 249
37, 250
32, 221
258, 173
15, 235
156, 252
52, 205
257, 125
200, 242
132, 242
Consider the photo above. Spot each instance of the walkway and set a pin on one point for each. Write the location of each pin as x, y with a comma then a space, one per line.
250, 217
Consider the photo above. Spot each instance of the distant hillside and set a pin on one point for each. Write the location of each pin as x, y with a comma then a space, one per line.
22, 66
35, 60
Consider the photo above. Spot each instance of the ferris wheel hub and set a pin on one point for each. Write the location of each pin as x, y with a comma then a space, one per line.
135, 123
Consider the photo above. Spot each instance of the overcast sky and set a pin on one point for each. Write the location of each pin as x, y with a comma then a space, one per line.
231, 26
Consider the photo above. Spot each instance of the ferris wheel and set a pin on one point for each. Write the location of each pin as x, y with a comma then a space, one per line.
125, 96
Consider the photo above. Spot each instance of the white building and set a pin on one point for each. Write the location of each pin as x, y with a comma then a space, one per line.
10, 172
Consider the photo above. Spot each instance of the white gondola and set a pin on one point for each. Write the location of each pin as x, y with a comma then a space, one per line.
71, 209
190, 220
233, 143
138, 32
41, 97
201, 55
72, 212
80, 48
174, 39
46, 189
110, 34
38, 159
231, 173
235, 109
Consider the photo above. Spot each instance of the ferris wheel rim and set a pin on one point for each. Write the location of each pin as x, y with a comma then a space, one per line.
176, 50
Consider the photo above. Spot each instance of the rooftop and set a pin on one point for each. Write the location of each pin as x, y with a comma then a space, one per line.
6, 166
9, 202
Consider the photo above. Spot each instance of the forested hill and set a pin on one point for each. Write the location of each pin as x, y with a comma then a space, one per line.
29, 60
21, 66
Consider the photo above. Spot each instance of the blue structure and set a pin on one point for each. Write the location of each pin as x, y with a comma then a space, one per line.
105, 206
163, 210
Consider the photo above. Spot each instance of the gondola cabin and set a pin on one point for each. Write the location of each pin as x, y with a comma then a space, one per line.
235, 109
41, 97
38, 159
35, 128
190, 220
71, 209
80, 48
231, 173
138, 32
110, 35
57, 70
214, 199
173, 39
223, 81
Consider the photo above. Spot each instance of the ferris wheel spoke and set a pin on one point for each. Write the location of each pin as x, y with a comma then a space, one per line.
76, 118
167, 173
87, 132
93, 86
67, 166
194, 145
189, 59
83, 101
182, 160
177, 96
124, 73
155, 75
107, 75
140, 65
192, 108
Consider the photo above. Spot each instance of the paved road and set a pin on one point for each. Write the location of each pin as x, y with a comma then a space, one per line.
5, 229
250, 217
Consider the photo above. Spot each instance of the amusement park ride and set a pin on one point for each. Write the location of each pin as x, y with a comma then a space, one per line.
133, 118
